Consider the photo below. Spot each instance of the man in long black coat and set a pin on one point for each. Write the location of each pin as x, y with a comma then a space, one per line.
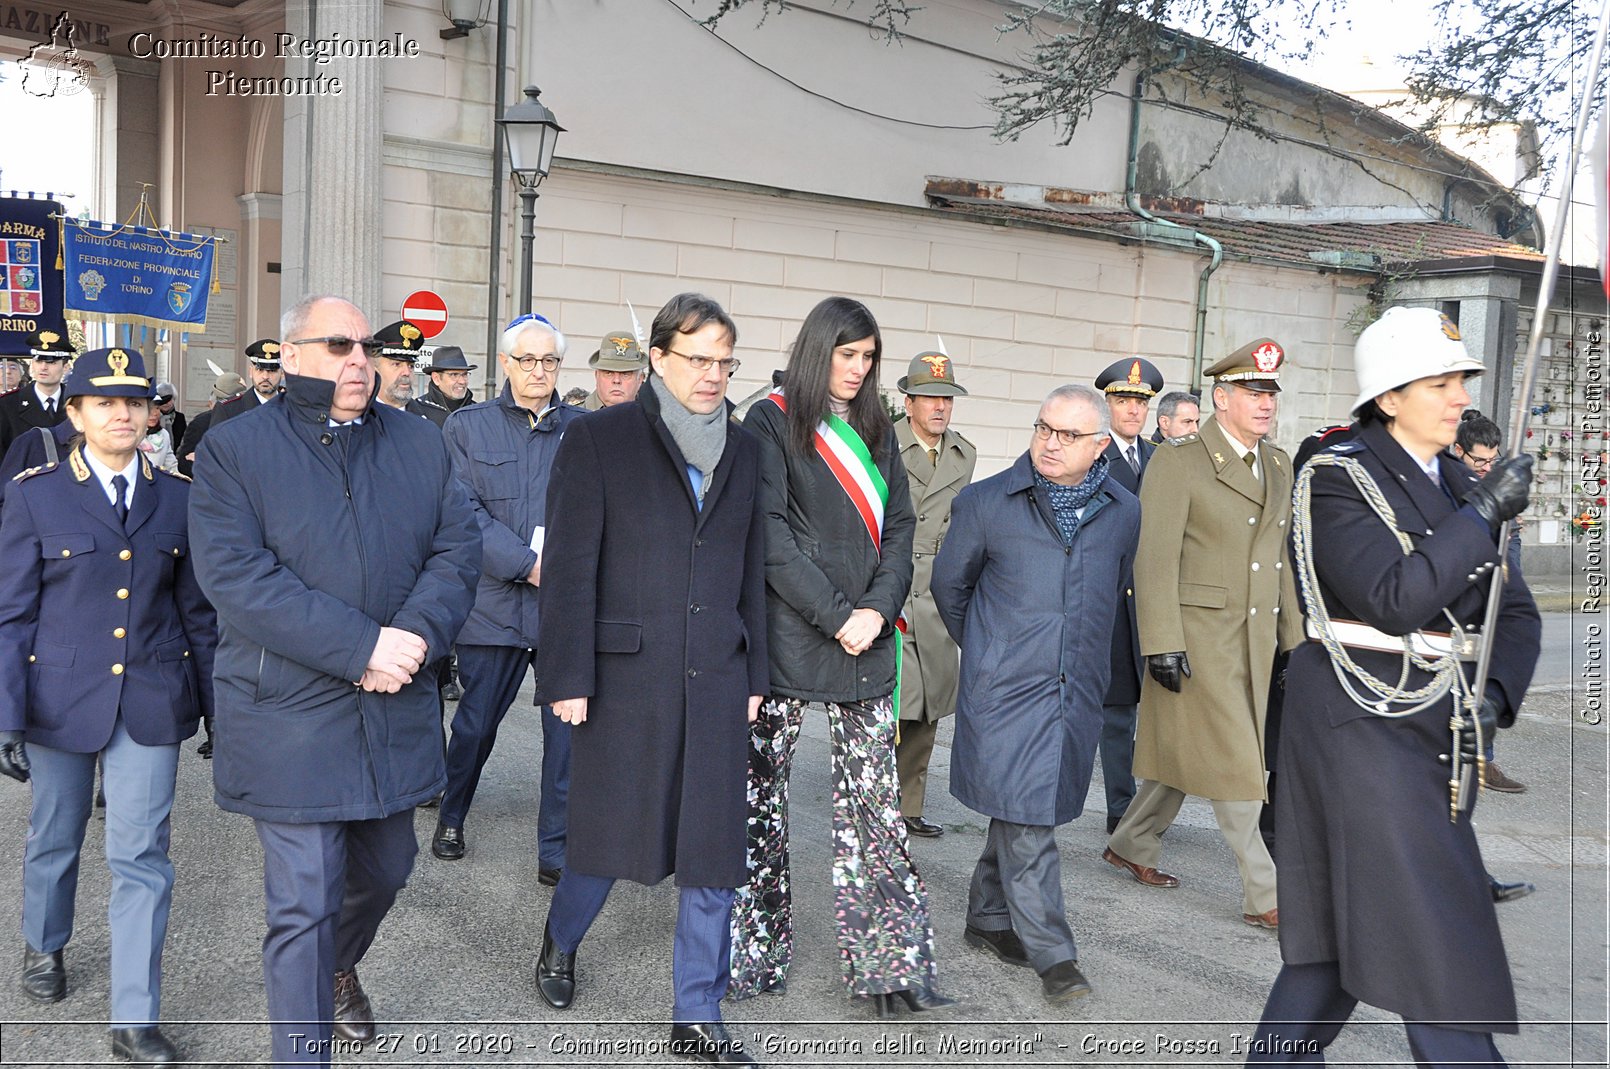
1129, 386
652, 643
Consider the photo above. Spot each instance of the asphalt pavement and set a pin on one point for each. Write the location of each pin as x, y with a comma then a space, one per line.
1178, 978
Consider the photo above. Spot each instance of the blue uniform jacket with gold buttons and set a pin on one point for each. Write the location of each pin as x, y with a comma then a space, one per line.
99, 616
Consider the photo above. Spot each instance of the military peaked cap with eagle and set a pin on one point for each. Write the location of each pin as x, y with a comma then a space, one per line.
930, 375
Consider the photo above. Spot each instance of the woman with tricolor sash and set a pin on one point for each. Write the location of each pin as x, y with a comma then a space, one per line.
839, 526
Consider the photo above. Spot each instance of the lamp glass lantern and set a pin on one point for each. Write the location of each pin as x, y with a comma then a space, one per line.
531, 134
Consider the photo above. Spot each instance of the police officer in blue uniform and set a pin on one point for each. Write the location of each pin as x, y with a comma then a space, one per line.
106, 647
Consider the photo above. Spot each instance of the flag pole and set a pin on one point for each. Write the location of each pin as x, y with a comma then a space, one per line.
1534, 345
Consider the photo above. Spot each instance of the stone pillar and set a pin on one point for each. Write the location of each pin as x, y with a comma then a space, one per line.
333, 145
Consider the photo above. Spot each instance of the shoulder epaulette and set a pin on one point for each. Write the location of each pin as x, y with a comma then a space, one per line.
1185, 440
173, 475
29, 473
1352, 445
964, 440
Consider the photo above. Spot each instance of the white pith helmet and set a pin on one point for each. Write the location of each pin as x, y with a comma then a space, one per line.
1407, 344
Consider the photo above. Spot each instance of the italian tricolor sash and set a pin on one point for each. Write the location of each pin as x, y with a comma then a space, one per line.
848, 458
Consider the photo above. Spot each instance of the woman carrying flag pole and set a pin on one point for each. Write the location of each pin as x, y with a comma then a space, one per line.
839, 528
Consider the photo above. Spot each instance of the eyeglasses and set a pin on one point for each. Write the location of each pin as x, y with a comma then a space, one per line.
1483, 463
341, 345
705, 363
529, 363
1043, 431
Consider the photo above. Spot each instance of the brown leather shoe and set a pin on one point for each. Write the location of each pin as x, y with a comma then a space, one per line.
354, 1018
1148, 876
1495, 780
1270, 920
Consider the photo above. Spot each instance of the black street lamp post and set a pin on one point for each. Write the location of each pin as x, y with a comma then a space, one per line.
531, 133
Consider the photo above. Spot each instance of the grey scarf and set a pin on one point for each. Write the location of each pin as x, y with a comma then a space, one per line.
701, 438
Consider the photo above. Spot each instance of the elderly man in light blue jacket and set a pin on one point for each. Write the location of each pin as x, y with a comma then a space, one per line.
1027, 582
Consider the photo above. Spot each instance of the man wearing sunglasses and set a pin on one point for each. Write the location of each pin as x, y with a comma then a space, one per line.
39, 403
334, 592
503, 450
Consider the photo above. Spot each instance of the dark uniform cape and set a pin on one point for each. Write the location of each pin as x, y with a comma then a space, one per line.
655, 610
20, 412
1127, 665
83, 592
1372, 873
307, 546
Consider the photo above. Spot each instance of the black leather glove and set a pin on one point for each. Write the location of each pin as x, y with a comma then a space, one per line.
1169, 668
1487, 717
13, 756
1504, 492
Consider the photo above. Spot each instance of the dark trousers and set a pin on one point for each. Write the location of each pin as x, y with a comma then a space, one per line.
327, 888
702, 954
1118, 757
1017, 884
491, 677
1307, 1008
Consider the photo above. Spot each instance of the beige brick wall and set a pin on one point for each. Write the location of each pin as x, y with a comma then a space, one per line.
1020, 310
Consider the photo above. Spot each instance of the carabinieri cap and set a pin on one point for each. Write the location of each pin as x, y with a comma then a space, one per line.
401, 341
48, 345
264, 354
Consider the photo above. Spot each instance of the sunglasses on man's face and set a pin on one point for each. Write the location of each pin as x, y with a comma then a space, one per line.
341, 345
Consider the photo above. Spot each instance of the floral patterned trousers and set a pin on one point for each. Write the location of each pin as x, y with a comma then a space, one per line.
885, 935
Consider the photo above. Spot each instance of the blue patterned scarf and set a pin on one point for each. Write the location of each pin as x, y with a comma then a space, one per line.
1066, 501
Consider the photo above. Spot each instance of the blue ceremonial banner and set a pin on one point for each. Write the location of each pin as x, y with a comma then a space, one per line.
136, 274
30, 280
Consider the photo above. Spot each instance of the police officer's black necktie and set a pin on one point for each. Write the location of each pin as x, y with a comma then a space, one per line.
1134, 460
121, 486
50, 406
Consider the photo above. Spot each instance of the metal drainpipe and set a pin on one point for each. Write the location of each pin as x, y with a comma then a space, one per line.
1132, 201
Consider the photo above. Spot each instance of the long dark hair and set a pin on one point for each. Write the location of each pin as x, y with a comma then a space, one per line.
832, 323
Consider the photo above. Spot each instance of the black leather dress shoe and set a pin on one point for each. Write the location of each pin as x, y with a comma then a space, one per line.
923, 828
1509, 892
144, 1046
354, 1018
708, 1043
44, 976
549, 877
1064, 981
448, 842
1002, 942
556, 974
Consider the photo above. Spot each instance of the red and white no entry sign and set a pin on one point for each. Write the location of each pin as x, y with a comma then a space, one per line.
427, 311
